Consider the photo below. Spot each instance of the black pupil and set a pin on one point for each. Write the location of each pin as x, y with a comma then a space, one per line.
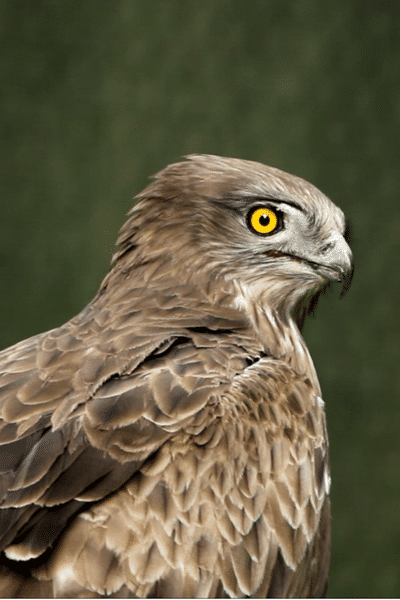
264, 220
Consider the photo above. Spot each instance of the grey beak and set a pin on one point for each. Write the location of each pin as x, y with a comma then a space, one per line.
339, 257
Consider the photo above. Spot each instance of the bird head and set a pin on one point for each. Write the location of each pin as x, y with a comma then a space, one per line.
274, 236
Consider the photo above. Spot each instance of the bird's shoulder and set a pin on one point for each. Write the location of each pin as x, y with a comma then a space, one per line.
243, 468
82, 406
173, 416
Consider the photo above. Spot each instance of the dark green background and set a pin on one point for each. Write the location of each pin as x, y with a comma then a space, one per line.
98, 95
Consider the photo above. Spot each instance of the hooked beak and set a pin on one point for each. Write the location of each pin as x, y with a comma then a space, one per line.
337, 262
346, 280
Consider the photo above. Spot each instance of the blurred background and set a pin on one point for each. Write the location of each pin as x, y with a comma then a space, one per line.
96, 96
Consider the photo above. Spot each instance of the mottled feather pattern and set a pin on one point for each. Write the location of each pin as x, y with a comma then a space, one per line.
170, 440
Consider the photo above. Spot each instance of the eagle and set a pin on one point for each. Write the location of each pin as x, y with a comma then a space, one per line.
170, 440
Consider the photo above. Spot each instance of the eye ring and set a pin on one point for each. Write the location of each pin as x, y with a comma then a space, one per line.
263, 220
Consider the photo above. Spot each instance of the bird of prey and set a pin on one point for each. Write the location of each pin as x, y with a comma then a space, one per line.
170, 439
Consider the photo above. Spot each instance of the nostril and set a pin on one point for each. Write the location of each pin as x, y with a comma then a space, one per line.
327, 247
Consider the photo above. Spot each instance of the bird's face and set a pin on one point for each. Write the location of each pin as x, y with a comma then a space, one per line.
273, 234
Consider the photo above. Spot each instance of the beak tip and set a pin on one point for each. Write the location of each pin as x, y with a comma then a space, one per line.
346, 280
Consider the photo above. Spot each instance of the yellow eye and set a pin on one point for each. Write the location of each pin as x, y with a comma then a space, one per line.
263, 220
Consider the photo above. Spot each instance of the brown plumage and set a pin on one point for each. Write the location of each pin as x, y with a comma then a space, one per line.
170, 439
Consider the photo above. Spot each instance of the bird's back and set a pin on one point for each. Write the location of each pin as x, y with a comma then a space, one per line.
226, 503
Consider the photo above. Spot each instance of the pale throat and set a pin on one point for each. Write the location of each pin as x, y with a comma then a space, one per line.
281, 338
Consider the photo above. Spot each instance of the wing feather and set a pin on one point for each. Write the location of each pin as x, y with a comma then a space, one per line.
188, 454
